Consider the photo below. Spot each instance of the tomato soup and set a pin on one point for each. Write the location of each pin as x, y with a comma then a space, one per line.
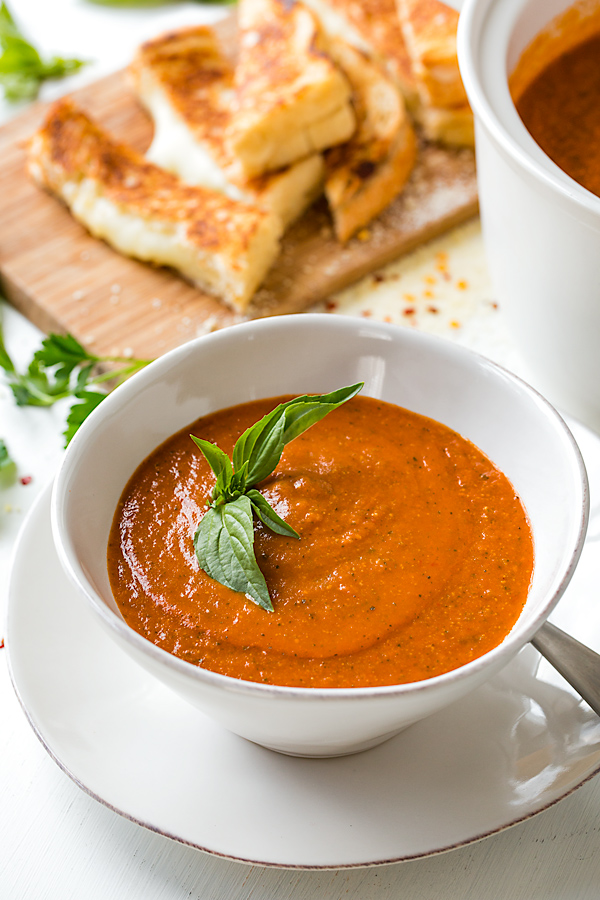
415, 554
556, 89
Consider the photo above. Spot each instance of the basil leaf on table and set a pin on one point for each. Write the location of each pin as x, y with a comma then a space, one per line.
224, 540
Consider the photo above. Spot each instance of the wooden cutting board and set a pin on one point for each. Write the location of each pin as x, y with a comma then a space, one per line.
63, 279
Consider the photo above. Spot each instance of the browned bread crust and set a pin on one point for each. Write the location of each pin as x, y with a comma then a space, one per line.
224, 246
291, 100
367, 173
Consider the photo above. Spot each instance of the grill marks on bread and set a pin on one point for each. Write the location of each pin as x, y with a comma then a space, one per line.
223, 246
186, 82
291, 99
375, 164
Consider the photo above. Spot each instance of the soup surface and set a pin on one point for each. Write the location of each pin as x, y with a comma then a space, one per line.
557, 95
415, 554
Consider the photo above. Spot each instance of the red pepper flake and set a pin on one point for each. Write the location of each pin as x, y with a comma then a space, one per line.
409, 311
494, 304
433, 310
446, 275
387, 319
378, 278
367, 313
330, 305
1, 643
26, 479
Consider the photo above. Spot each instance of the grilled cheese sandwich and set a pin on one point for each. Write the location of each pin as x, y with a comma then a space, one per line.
429, 29
291, 100
222, 246
373, 27
416, 40
186, 82
367, 173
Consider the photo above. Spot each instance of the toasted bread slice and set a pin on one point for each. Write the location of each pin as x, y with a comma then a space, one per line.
223, 246
367, 173
429, 29
371, 26
416, 40
454, 127
185, 81
291, 100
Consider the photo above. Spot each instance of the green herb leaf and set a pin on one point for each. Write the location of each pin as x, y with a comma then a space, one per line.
268, 516
224, 545
6, 362
88, 401
22, 69
219, 547
262, 444
63, 369
62, 349
216, 458
8, 467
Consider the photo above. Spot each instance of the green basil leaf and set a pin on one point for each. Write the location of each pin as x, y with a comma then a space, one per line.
305, 411
224, 545
268, 516
225, 537
216, 458
263, 443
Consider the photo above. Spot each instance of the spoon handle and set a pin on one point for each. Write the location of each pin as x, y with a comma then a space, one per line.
579, 665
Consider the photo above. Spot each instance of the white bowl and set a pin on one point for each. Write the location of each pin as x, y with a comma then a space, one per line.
511, 423
541, 229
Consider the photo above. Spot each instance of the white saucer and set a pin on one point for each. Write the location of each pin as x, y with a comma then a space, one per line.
509, 750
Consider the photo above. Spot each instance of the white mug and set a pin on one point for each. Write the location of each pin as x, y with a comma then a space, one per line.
541, 229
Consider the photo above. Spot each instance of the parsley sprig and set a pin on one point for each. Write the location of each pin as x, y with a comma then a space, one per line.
224, 540
22, 69
63, 369
8, 467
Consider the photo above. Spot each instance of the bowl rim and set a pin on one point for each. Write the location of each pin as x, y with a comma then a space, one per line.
525, 152
512, 643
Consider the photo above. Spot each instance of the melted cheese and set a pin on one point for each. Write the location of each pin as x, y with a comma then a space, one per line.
175, 149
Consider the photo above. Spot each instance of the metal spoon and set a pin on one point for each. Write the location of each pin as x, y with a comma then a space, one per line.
579, 665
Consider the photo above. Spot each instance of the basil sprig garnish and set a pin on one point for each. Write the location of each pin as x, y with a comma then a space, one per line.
224, 540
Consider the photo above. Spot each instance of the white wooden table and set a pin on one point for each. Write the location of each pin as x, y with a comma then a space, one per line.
57, 843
